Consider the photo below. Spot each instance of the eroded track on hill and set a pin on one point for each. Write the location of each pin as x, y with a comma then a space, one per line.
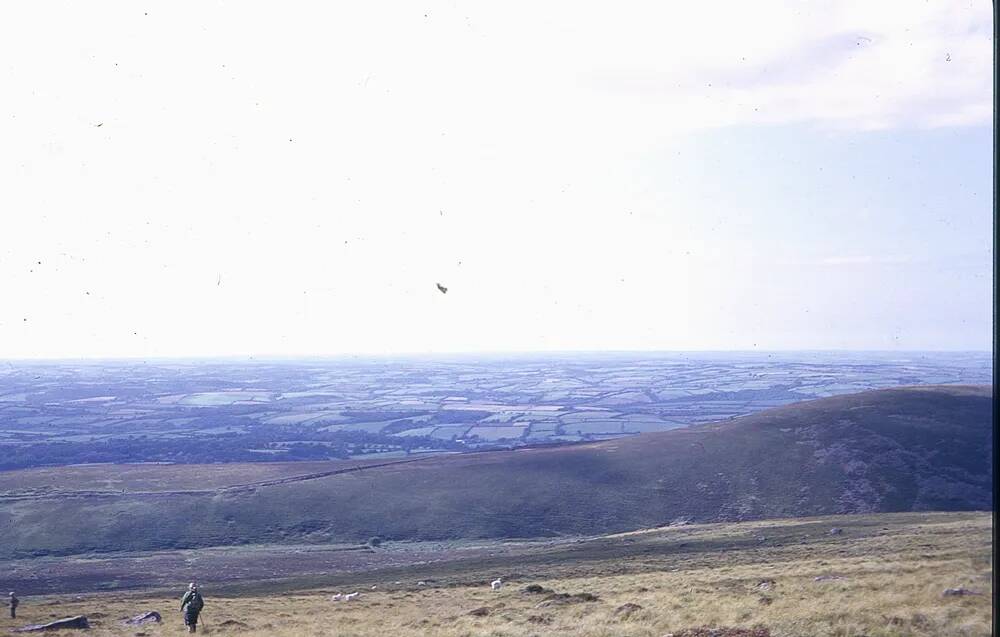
255, 570
234, 489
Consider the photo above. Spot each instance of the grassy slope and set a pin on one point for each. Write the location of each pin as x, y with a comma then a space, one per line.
891, 450
155, 477
895, 567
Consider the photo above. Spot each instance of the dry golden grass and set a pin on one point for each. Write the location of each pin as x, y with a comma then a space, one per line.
892, 586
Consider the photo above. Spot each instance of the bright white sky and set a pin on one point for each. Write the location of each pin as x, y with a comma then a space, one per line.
247, 178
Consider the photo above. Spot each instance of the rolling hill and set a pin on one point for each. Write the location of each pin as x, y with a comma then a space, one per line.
907, 449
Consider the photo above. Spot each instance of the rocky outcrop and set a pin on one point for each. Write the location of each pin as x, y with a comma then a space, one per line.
152, 617
78, 622
958, 592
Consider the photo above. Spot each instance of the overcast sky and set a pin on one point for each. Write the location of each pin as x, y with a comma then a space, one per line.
250, 179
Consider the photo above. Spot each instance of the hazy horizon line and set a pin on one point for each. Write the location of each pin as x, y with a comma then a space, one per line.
479, 354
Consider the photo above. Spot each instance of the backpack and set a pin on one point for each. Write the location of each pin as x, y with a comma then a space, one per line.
196, 602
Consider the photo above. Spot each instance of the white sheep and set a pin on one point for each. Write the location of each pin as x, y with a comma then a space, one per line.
496, 584
342, 597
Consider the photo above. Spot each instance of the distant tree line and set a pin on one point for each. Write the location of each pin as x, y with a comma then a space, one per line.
260, 444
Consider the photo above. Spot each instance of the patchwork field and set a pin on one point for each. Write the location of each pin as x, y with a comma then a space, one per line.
58, 413
910, 449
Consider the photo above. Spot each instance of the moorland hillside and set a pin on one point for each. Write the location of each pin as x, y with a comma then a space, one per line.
908, 449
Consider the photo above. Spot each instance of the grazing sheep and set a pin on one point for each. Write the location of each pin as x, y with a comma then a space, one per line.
496, 584
350, 596
337, 597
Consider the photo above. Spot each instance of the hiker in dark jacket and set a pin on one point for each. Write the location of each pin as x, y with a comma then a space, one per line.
14, 601
191, 605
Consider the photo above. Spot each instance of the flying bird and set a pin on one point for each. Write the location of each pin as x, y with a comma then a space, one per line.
443, 289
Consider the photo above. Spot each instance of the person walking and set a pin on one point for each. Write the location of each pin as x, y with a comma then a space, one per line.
14, 601
191, 605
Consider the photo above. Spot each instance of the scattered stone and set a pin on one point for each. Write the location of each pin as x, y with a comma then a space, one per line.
704, 631
626, 610
765, 584
920, 620
836, 531
482, 611
535, 589
949, 592
561, 599
827, 578
79, 621
146, 618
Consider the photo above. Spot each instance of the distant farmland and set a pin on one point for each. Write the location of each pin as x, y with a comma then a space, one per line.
202, 412
908, 449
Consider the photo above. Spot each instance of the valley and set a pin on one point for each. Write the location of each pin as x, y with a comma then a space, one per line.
908, 449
